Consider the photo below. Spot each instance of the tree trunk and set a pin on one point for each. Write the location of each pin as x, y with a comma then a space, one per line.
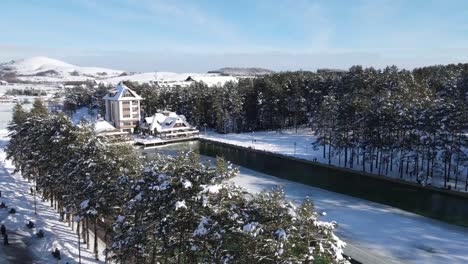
377, 159
346, 156
401, 164
339, 157
364, 159
416, 165
324, 147
79, 246
391, 160
96, 251
466, 181
107, 242
445, 170
71, 221
87, 233
380, 162
407, 165
428, 163
357, 157
387, 163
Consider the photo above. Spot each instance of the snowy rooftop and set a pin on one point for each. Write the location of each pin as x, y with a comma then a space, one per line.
122, 92
102, 125
166, 121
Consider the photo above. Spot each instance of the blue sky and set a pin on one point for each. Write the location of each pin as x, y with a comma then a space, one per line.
144, 35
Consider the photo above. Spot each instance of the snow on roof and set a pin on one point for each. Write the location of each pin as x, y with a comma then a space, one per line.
122, 92
102, 126
166, 121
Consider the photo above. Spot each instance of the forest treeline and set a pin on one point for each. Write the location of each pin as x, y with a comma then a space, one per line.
161, 209
415, 121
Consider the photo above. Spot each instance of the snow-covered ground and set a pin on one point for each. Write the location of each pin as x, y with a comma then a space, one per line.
171, 79
50, 89
375, 233
300, 145
25, 246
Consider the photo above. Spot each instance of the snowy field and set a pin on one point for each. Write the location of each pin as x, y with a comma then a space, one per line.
299, 145
25, 246
375, 233
50, 89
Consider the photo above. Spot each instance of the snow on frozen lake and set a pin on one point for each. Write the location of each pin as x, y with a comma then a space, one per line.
375, 233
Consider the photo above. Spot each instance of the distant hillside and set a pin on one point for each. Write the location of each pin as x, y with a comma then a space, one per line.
242, 71
43, 69
326, 70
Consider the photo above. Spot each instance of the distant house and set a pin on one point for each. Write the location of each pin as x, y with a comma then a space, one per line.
190, 79
167, 125
123, 108
3, 82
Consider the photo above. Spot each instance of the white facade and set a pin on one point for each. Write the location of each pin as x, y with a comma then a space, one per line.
123, 108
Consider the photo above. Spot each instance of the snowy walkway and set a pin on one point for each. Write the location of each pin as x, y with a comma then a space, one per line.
375, 233
16, 251
15, 193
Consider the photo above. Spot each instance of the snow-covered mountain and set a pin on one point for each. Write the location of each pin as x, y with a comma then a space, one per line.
44, 69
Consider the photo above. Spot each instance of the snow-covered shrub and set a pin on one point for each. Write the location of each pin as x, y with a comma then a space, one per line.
181, 209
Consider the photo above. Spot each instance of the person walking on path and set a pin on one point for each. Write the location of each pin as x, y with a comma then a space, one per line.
5, 240
3, 230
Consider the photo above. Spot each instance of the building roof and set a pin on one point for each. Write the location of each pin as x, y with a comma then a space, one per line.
102, 125
166, 121
122, 93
